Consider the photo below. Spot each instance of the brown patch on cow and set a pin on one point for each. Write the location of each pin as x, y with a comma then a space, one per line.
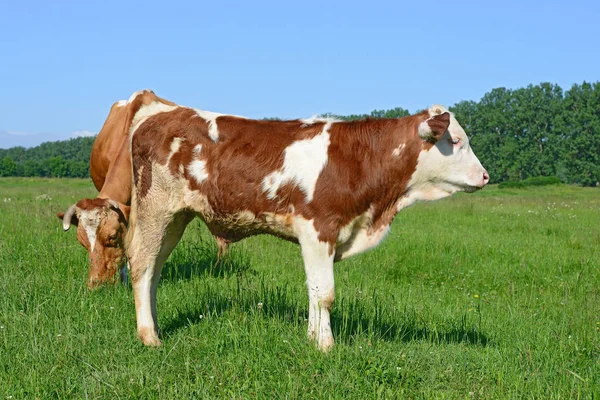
152, 140
362, 172
327, 300
90, 204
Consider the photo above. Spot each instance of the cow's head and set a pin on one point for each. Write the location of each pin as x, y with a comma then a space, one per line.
446, 163
101, 227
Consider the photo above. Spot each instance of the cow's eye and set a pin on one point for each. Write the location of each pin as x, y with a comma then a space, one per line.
455, 141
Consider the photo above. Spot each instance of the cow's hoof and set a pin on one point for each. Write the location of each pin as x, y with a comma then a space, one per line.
149, 337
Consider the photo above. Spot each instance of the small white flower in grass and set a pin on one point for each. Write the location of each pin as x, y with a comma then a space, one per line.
1, 326
59, 335
112, 308
201, 316
285, 341
260, 305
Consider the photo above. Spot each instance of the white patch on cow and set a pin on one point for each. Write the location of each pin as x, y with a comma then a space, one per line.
358, 236
147, 111
211, 119
136, 94
303, 162
398, 150
197, 169
363, 240
316, 119
198, 202
121, 103
90, 220
175, 145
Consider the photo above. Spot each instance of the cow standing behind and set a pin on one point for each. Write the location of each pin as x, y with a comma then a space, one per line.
333, 187
102, 222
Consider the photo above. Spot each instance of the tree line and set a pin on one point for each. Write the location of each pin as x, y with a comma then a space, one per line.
65, 158
539, 130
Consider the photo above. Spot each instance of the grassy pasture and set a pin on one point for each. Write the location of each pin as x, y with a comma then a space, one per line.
490, 295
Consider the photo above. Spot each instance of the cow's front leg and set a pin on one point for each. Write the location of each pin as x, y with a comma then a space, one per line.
152, 242
318, 264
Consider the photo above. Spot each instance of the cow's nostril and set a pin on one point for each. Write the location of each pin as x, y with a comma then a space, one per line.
486, 177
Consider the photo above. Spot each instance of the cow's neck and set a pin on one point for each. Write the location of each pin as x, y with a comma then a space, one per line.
118, 180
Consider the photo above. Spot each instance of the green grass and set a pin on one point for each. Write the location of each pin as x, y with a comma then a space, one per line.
534, 181
490, 295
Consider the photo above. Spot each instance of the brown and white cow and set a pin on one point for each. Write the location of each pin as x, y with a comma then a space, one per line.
102, 222
331, 186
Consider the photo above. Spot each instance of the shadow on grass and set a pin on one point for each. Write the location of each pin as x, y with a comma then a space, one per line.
199, 258
350, 320
353, 321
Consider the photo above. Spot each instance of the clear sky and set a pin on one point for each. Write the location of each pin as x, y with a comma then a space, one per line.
63, 64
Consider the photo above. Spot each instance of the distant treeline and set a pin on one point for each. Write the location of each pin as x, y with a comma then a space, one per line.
517, 134
66, 158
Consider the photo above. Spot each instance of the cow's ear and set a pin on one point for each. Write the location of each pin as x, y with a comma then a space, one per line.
432, 129
125, 209
121, 209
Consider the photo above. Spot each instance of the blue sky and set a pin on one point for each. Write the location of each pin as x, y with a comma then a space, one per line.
62, 64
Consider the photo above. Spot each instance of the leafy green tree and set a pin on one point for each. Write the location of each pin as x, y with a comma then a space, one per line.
581, 118
7, 167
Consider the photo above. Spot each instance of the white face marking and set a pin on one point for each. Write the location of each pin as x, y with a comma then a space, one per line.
197, 169
398, 150
303, 162
211, 118
90, 219
148, 111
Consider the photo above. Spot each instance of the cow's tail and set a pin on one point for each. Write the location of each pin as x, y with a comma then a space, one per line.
132, 220
134, 205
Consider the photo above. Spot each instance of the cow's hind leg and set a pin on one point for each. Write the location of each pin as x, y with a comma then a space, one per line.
152, 242
318, 264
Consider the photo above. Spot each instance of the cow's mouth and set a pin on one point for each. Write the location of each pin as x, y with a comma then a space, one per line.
471, 189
